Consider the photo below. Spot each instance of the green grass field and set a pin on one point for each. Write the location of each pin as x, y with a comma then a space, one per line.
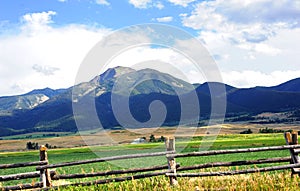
263, 181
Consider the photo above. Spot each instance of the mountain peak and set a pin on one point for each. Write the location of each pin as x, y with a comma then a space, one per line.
46, 91
113, 73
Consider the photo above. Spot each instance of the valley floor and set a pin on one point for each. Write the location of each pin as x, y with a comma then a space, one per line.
116, 137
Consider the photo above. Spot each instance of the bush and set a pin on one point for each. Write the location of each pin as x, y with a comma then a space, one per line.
32, 146
35, 146
248, 131
152, 139
161, 139
267, 130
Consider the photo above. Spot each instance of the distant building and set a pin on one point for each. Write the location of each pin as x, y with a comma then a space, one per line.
138, 141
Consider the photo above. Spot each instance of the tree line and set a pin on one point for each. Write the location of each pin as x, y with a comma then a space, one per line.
35, 146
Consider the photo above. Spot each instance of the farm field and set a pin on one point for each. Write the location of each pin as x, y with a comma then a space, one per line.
117, 137
261, 181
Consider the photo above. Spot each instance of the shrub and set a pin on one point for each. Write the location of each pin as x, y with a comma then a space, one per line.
248, 131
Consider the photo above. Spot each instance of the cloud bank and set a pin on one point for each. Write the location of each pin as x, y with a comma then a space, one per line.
42, 56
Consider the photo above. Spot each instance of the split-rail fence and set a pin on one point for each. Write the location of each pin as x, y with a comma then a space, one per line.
46, 174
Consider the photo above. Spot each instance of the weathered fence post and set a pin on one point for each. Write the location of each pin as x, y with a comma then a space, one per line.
288, 138
295, 138
44, 173
170, 146
292, 139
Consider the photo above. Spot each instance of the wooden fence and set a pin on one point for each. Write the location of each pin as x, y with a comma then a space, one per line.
171, 169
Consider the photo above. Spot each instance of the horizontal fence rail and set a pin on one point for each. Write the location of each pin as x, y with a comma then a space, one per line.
235, 172
104, 159
117, 179
23, 186
25, 175
25, 164
235, 163
233, 151
113, 172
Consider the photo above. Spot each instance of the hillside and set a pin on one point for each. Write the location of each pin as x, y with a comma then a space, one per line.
290, 86
27, 101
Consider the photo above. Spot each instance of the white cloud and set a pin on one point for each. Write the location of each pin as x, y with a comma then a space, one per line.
102, 2
261, 48
62, 1
183, 3
164, 19
251, 78
279, 52
193, 64
161, 59
42, 18
141, 4
159, 5
43, 56
168, 61
46, 70
251, 34
266, 11
145, 4
244, 21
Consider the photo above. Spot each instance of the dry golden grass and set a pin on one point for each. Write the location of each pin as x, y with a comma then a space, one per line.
127, 136
254, 182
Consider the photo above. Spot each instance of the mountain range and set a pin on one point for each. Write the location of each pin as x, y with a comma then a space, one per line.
48, 110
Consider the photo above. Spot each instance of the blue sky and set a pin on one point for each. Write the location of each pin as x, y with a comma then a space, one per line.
114, 14
42, 43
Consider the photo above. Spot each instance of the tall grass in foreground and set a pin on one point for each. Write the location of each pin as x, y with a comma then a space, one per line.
258, 181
